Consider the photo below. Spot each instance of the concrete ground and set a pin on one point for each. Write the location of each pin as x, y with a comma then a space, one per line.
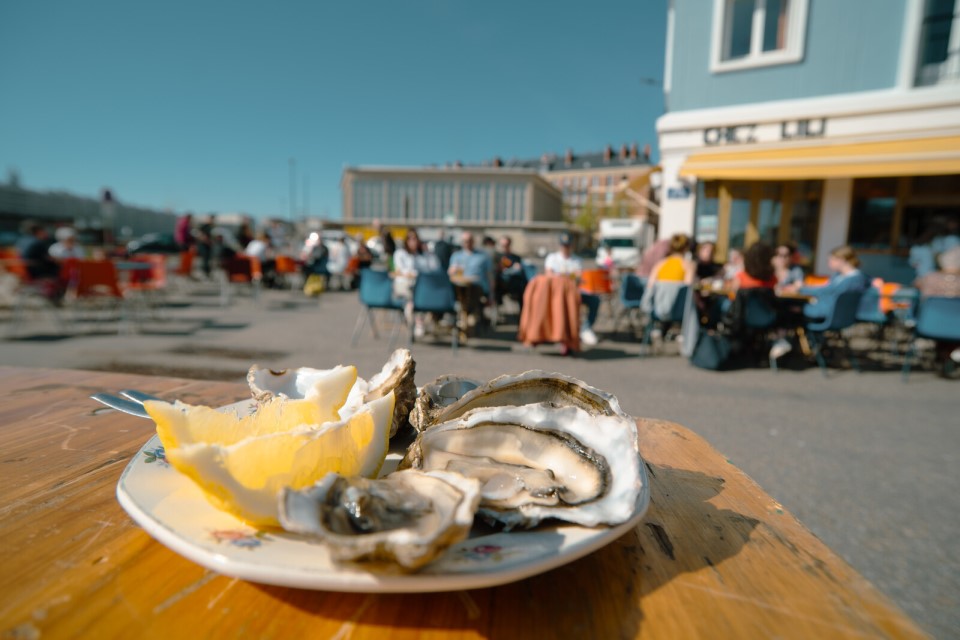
867, 462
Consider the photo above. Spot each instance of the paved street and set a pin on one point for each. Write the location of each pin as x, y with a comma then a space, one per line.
867, 462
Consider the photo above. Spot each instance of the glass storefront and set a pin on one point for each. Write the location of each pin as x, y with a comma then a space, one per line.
890, 215
736, 214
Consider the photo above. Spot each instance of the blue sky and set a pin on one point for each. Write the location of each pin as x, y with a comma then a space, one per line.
200, 105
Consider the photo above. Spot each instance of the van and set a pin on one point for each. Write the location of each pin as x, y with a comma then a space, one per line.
622, 241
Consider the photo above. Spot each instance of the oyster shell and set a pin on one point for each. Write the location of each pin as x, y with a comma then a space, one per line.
539, 461
408, 517
433, 397
397, 375
525, 388
299, 383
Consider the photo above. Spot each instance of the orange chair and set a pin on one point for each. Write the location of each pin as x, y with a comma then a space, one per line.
815, 281
185, 268
887, 291
94, 284
241, 269
288, 269
596, 281
599, 283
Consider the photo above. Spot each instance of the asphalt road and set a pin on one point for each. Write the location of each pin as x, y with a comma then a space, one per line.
867, 462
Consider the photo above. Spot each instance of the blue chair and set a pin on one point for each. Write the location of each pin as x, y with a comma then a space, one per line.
631, 292
841, 316
759, 308
675, 315
433, 293
937, 319
530, 270
869, 312
376, 292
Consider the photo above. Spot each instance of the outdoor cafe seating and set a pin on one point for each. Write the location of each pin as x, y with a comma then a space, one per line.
937, 319
376, 295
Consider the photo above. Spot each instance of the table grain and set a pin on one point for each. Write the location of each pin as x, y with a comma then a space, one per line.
714, 557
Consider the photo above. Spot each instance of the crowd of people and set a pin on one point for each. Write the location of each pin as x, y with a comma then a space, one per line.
487, 273
673, 262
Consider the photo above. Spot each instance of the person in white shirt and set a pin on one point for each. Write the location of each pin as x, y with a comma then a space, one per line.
409, 260
564, 263
66, 246
261, 249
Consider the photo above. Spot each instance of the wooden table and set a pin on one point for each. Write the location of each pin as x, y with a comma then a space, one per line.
715, 556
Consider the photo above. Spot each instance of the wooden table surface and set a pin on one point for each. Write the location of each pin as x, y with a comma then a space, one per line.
715, 556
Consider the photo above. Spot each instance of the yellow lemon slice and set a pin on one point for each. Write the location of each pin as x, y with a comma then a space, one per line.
181, 424
245, 477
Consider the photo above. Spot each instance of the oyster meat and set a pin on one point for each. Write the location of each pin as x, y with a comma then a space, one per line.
408, 517
397, 375
525, 388
539, 461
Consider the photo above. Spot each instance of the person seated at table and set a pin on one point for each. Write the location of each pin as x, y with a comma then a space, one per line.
706, 267
410, 259
785, 266
758, 271
260, 249
66, 247
313, 257
34, 249
844, 264
733, 265
944, 283
563, 263
511, 279
673, 271
338, 260
652, 257
477, 268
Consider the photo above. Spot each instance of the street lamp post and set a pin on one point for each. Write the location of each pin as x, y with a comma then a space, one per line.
293, 187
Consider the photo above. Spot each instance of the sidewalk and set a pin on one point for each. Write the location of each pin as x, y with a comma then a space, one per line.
867, 462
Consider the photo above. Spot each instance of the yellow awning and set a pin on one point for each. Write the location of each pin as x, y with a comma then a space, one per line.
916, 157
639, 182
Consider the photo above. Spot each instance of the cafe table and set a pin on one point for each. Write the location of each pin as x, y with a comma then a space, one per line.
714, 556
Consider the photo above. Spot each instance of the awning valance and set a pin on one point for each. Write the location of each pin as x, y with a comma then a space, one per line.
915, 157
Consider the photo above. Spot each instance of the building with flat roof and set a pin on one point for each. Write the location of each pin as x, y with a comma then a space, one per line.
489, 200
823, 123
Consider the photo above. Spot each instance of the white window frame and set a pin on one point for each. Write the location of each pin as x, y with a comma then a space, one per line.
796, 37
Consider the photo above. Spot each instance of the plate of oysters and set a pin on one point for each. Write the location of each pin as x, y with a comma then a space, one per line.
481, 483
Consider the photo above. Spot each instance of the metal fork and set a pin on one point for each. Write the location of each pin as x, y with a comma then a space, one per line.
131, 403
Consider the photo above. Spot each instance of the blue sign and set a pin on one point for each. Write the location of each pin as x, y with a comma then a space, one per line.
678, 192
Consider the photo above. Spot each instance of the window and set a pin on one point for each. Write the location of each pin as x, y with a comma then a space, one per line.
939, 56
752, 33
871, 216
705, 216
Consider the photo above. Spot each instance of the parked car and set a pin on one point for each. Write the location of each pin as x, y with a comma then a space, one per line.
153, 243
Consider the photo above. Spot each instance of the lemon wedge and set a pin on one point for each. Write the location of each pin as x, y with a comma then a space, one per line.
180, 424
244, 475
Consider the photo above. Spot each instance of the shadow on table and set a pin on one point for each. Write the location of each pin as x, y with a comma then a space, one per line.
597, 596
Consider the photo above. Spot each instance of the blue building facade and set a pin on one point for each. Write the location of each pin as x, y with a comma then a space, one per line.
814, 121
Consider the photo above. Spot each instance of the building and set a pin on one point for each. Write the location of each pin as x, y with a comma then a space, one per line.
825, 123
614, 183
489, 200
98, 220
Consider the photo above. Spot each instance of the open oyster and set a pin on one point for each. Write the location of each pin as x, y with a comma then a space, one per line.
408, 517
397, 375
539, 461
525, 388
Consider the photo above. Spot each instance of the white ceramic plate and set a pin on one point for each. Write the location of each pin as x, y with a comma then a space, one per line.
173, 510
